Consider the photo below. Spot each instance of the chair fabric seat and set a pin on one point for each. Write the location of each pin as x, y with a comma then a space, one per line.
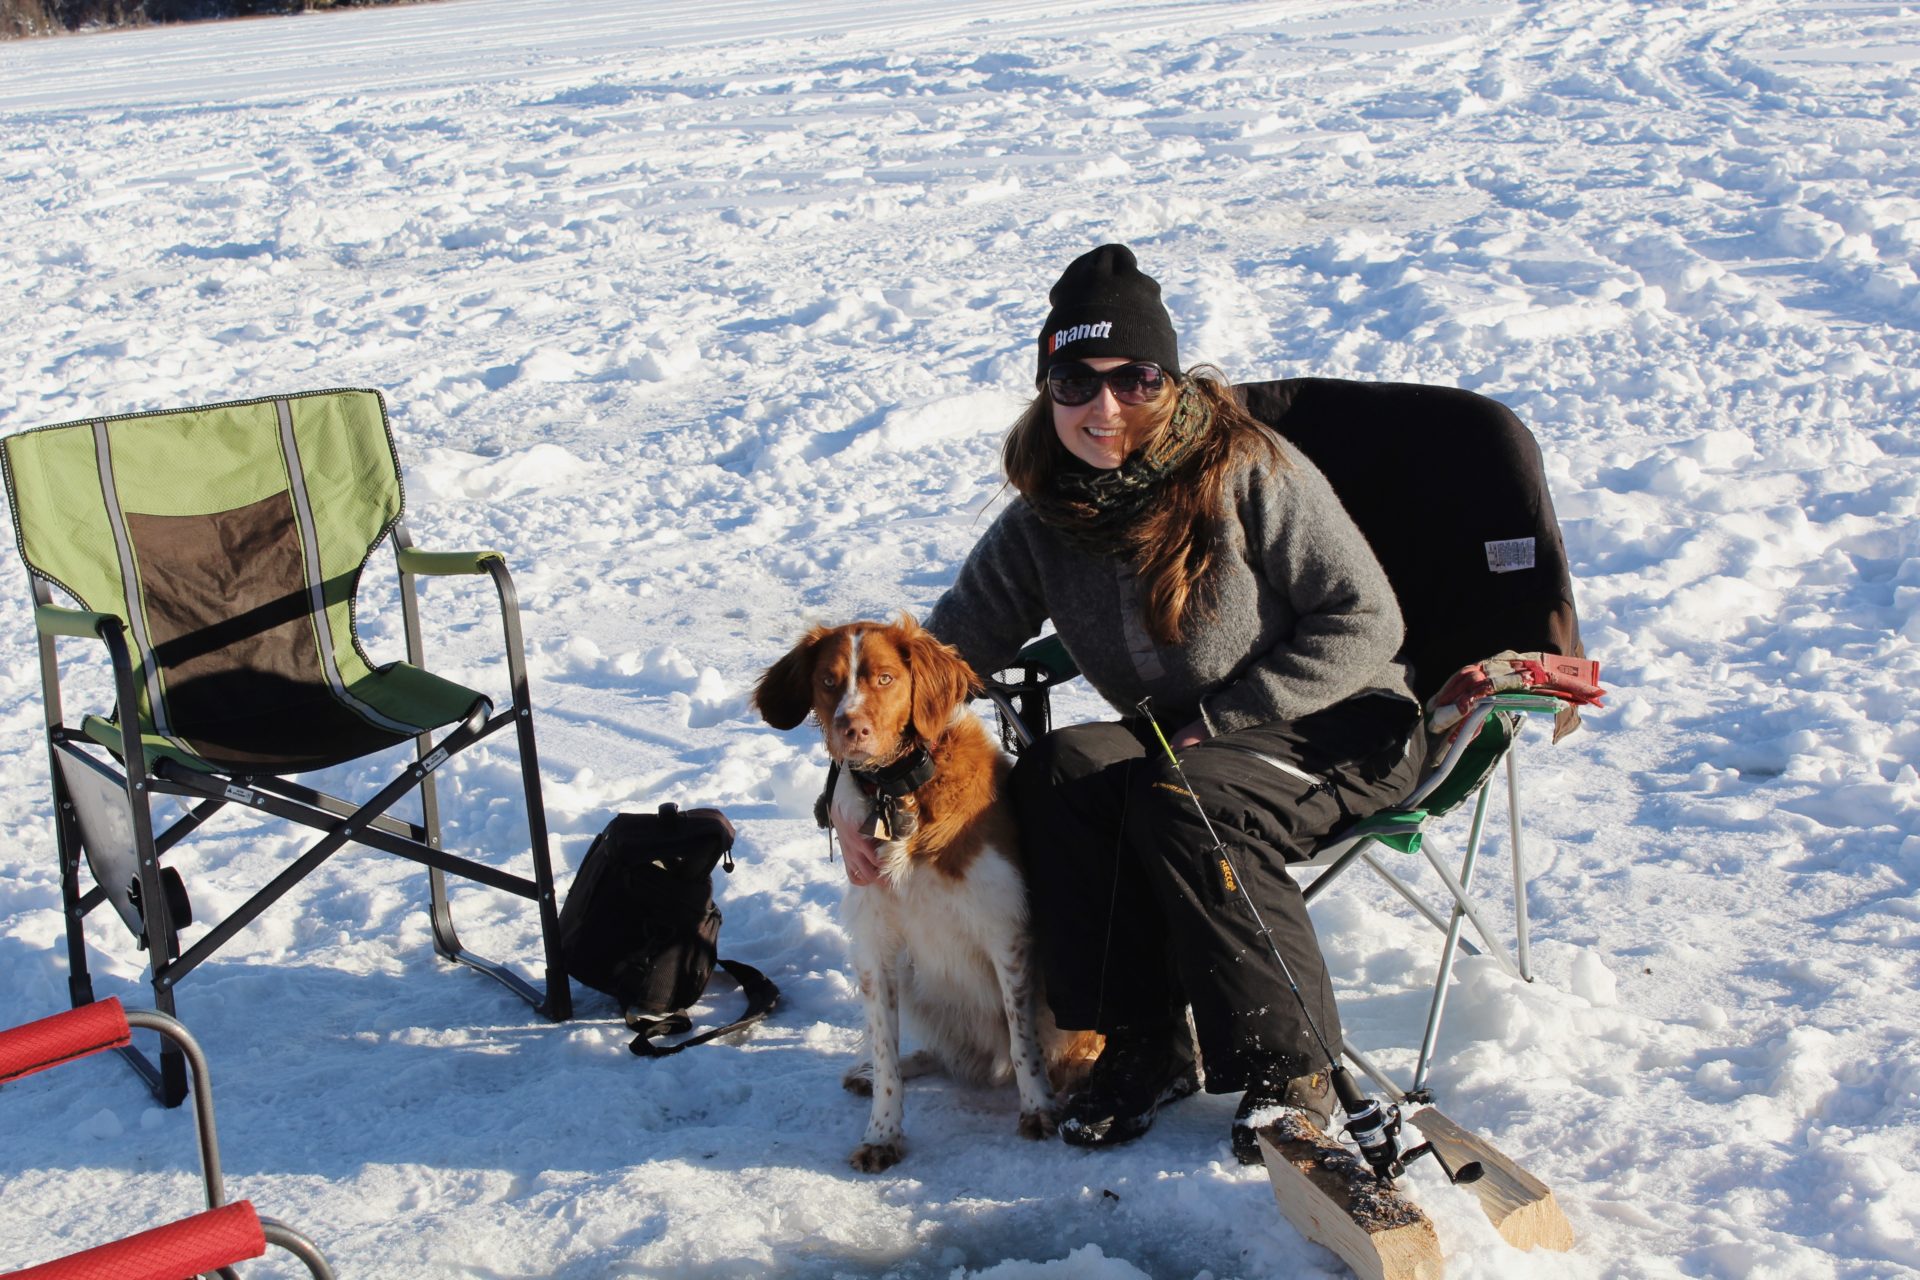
1488, 748
1397, 829
306, 727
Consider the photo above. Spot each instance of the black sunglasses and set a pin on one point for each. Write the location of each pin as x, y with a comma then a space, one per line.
1072, 383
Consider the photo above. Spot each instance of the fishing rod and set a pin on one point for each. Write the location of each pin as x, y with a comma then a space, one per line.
1373, 1128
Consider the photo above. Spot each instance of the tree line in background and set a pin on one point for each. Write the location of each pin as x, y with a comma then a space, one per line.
46, 17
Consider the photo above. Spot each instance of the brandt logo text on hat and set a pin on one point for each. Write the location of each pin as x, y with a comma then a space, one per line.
1080, 332
1104, 305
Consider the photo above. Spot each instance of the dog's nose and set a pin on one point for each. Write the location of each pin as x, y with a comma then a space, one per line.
853, 731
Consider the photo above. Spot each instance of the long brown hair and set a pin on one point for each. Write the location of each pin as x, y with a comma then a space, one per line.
1174, 545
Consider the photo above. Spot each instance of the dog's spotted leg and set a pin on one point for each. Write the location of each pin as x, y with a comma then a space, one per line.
1039, 1114
885, 1140
859, 1077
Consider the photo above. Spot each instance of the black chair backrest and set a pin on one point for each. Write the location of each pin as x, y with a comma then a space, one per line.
1447, 486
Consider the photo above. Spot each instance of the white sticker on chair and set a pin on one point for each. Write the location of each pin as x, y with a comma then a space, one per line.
1510, 554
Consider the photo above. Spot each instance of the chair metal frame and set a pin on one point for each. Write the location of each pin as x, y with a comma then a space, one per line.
1028, 698
75, 764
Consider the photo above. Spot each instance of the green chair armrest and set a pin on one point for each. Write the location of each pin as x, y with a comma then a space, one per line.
1398, 829
440, 563
1049, 654
53, 620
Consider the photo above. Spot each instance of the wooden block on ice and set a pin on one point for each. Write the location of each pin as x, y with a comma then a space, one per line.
1333, 1199
1519, 1205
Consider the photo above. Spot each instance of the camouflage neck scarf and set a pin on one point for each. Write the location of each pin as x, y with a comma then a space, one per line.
1093, 508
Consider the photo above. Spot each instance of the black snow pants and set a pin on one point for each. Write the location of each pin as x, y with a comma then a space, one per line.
1133, 915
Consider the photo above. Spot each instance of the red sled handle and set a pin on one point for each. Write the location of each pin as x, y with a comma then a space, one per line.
77, 1033
194, 1246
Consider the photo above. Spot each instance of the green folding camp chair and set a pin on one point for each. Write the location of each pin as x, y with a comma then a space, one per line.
1447, 486
216, 552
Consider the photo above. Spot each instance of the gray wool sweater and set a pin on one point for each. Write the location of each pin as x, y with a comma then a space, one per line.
1303, 614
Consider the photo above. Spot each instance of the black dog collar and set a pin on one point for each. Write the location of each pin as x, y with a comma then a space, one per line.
903, 777
886, 785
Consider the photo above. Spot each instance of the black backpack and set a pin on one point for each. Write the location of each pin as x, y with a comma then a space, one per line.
640, 923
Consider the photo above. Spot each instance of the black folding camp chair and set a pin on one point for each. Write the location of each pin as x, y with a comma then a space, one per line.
1447, 486
216, 552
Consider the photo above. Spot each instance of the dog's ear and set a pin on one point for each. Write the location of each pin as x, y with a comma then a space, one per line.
784, 695
942, 680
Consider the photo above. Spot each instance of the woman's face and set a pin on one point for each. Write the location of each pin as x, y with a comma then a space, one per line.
1102, 432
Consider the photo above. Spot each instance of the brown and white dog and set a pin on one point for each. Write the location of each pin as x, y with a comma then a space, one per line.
943, 931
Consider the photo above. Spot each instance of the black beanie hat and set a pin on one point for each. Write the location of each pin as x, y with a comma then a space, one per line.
1104, 305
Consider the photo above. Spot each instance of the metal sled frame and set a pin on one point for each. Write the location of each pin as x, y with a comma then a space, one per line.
82, 1032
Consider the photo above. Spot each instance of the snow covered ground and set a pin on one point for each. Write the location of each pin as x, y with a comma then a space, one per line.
711, 315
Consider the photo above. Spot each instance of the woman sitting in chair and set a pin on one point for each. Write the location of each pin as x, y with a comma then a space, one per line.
1187, 555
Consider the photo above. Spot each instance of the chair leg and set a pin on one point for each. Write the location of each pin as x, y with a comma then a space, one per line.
446, 940
368, 825
169, 1084
1436, 1009
172, 1083
559, 1002
1521, 928
159, 934
1463, 901
167, 1080
1462, 909
556, 1002
1381, 1078
1412, 899
66, 839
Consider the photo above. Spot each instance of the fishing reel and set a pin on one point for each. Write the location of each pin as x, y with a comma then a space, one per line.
1376, 1131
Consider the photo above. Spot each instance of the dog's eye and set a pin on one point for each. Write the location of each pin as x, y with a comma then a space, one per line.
884, 680
829, 682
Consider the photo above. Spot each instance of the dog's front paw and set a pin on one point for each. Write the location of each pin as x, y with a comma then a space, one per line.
859, 1080
873, 1157
1035, 1125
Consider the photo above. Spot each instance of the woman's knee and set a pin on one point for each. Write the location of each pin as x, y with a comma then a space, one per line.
1162, 785
1070, 754
1230, 794
1069, 779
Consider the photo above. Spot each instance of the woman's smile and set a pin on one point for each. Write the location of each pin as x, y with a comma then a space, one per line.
1103, 431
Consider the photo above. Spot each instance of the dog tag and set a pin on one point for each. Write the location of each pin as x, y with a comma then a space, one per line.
875, 827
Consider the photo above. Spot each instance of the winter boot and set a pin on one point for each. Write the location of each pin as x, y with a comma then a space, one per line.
1136, 1072
1310, 1095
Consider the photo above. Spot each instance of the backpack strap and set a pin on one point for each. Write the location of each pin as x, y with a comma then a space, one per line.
761, 995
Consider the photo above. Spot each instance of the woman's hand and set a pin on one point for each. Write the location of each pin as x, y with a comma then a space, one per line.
857, 853
1192, 734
